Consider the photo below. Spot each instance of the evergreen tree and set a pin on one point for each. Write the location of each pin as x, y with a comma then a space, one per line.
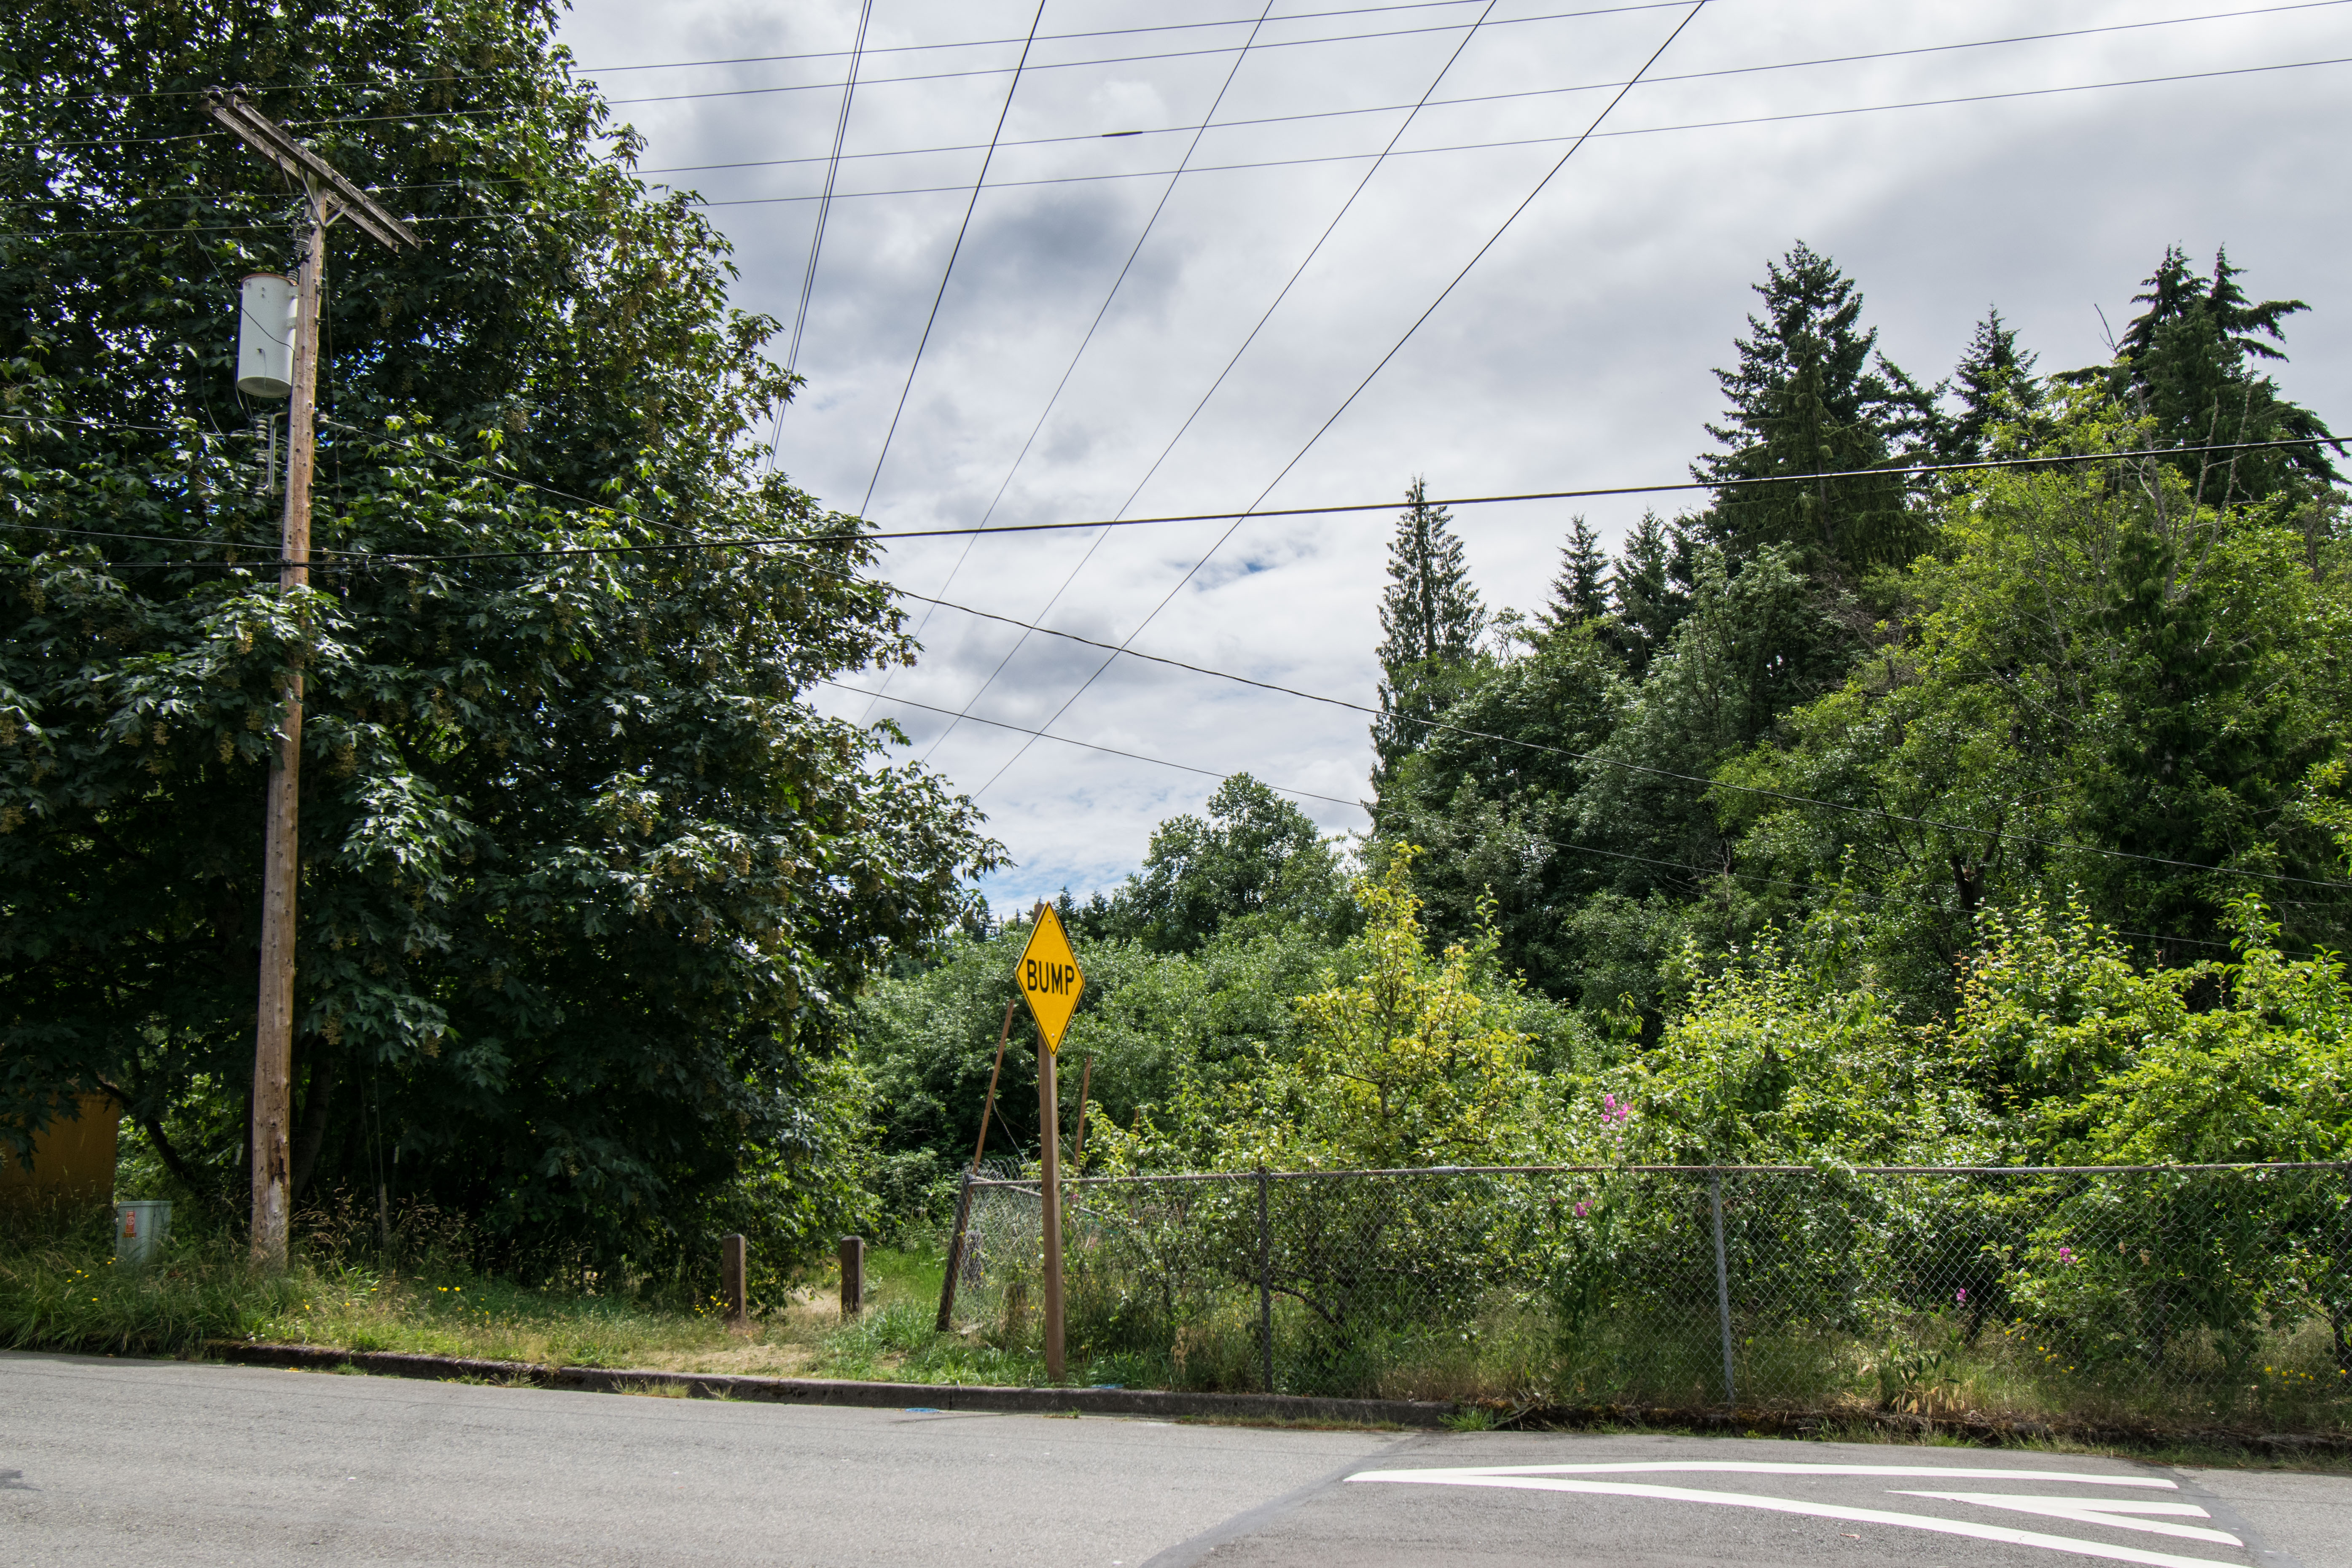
1431, 620
1995, 382
2184, 361
1650, 590
1811, 395
1580, 592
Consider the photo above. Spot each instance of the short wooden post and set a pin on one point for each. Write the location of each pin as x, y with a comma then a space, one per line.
853, 1275
734, 1258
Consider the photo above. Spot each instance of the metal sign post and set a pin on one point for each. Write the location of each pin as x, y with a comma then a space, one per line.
330, 196
1049, 978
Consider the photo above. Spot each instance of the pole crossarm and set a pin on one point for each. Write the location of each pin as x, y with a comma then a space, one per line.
319, 177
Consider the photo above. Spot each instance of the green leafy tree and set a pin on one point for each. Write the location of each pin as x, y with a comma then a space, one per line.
2098, 661
1148, 1022
587, 885
1407, 1062
1431, 621
1256, 856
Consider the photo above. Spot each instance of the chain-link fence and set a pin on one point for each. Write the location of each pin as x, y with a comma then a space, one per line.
2209, 1294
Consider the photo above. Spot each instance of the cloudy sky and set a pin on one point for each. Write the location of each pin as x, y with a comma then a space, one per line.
1575, 352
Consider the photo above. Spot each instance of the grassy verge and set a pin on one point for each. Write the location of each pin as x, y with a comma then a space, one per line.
61, 1290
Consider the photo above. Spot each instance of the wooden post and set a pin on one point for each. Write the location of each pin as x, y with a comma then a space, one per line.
1078, 1144
734, 1260
963, 1198
853, 1275
1049, 1122
281, 870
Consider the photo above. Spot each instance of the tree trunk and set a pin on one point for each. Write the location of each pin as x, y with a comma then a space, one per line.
311, 1125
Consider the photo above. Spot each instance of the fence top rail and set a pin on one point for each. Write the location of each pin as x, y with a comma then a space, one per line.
1029, 1182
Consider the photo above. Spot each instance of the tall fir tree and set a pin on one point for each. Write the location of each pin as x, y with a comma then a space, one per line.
1650, 590
1813, 395
2186, 362
1580, 592
1431, 620
1995, 382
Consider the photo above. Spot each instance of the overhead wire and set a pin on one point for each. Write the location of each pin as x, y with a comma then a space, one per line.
1501, 229
329, 561
1894, 470
1572, 847
1602, 760
949, 271
1064, 739
816, 240
1133, 60
700, 203
2292, 6
1519, 94
1103, 310
1284, 293
813, 55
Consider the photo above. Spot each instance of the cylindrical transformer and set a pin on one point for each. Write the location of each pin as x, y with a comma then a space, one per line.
265, 335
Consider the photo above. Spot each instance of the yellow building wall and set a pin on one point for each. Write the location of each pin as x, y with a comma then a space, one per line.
73, 1157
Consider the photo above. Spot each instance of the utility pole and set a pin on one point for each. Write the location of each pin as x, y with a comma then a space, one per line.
330, 196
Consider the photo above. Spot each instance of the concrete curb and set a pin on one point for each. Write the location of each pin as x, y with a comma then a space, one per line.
1162, 1404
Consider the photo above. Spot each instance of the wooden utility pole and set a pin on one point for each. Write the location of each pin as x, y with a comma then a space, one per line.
330, 196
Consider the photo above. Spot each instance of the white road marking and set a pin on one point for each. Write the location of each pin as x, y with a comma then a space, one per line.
2098, 1510
1773, 1468
1994, 1533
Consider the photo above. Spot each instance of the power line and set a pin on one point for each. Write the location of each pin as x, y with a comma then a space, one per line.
346, 560
1603, 761
518, 216
1348, 401
816, 240
1289, 283
1136, 59
1524, 93
1082, 745
1911, 470
1571, 846
1067, 371
770, 59
1484, 98
884, 455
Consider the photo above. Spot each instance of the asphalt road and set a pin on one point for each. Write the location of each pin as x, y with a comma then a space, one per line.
115, 1461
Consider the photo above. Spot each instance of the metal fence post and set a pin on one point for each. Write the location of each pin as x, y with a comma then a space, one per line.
1264, 1278
1722, 1285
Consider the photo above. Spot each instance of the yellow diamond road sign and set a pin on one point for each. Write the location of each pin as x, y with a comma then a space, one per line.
1049, 977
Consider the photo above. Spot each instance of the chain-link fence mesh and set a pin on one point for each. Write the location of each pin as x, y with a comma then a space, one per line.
2206, 1294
